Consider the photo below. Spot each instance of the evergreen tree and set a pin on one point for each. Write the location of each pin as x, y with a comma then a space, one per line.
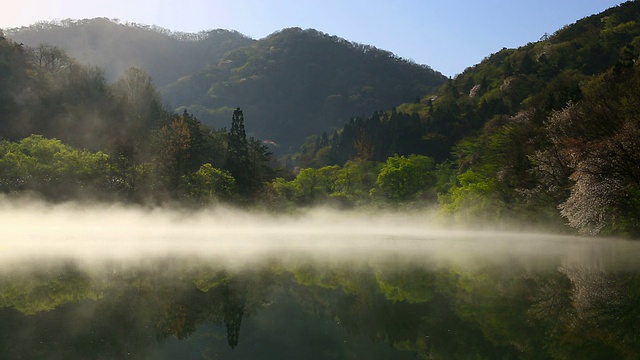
238, 145
237, 161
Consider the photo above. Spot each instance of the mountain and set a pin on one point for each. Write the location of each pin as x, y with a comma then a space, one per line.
541, 135
551, 127
115, 47
296, 82
535, 79
291, 84
541, 76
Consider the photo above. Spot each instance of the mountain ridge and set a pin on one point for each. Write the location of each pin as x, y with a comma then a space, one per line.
292, 84
324, 78
115, 46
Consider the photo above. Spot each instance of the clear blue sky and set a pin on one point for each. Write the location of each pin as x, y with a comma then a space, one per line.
448, 35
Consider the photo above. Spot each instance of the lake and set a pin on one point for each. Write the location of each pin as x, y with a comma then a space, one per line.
134, 284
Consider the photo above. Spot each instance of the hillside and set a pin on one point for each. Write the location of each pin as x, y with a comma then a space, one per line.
543, 134
292, 84
540, 76
115, 47
536, 78
296, 82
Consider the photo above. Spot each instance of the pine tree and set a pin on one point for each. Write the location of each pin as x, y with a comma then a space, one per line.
237, 160
238, 144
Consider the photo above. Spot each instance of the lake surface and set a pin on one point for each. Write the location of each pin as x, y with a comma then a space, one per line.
326, 288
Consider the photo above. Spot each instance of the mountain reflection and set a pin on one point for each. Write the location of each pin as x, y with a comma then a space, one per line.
296, 307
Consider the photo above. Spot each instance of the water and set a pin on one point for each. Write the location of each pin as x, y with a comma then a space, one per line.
113, 283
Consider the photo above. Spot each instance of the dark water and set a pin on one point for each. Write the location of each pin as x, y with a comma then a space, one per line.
460, 296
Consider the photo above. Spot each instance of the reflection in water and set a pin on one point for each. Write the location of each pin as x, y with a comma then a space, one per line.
406, 301
129, 284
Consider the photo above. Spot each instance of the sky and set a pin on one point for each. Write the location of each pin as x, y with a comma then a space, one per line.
447, 35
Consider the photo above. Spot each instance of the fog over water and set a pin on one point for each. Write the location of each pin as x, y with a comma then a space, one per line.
90, 234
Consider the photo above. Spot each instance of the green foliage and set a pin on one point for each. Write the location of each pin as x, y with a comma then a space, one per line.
206, 281
412, 287
473, 200
49, 167
280, 193
403, 177
537, 78
354, 181
493, 117
40, 293
311, 185
209, 183
160, 167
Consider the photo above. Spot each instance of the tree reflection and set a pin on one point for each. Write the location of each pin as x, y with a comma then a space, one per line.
572, 311
233, 307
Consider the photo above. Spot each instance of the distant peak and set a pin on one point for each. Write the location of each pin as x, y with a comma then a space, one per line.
105, 22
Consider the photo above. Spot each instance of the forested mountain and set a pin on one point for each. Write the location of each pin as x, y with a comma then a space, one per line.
547, 128
66, 133
535, 79
296, 82
293, 83
115, 47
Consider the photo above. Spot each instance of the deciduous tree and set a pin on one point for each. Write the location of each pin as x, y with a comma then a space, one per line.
402, 177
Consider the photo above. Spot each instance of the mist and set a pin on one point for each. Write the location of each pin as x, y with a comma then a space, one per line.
95, 234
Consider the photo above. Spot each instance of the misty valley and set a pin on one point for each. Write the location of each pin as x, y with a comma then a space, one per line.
441, 295
168, 195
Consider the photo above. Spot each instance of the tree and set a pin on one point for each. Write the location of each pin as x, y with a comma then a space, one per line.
247, 160
403, 177
237, 159
238, 145
474, 199
49, 59
140, 103
355, 180
176, 143
49, 167
314, 185
124, 171
597, 142
13, 81
209, 183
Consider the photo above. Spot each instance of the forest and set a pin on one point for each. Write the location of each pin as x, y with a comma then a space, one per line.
547, 134
294, 83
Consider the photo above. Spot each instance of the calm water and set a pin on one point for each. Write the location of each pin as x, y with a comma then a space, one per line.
314, 292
